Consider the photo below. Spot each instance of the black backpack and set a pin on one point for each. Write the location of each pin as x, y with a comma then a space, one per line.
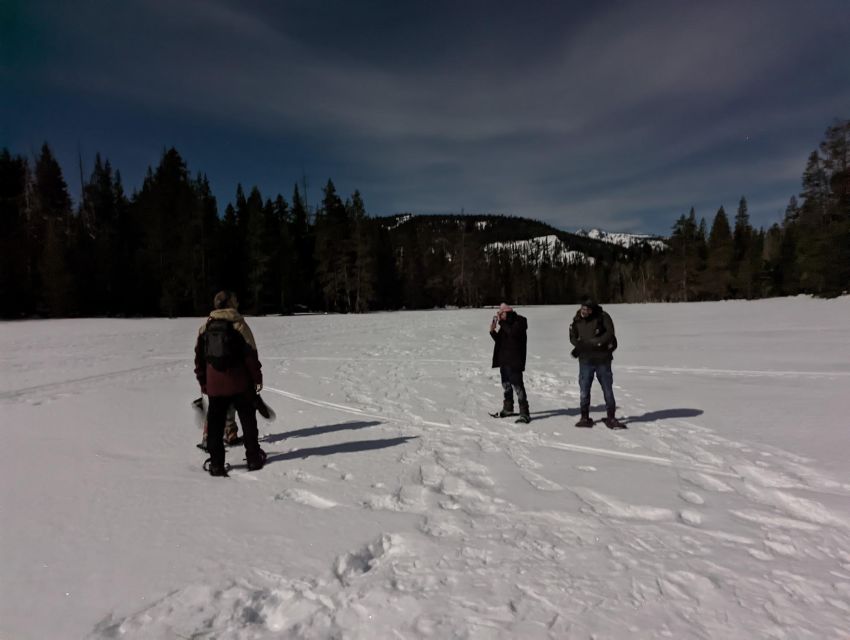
600, 329
223, 346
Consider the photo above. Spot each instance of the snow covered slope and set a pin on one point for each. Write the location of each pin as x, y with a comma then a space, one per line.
393, 506
534, 250
623, 239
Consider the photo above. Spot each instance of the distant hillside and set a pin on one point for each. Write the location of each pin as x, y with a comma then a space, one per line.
524, 236
624, 239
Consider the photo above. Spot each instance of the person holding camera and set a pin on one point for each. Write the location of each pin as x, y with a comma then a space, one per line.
593, 339
509, 332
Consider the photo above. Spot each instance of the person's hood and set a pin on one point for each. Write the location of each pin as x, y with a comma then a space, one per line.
232, 315
596, 312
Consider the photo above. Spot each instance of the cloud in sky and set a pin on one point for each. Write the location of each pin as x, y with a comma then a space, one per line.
623, 115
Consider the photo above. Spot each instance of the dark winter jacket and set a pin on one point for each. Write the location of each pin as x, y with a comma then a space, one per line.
239, 379
593, 337
511, 339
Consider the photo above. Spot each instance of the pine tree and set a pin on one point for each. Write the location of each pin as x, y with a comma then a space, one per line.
835, 150
835, 234
303, 238
205, 230
333, 250
101, 253
167, 210
51, 231
683, 257
720, 255
259, 238
283, 255
812, 243
745, 259
815, 192
363, 244
16, 262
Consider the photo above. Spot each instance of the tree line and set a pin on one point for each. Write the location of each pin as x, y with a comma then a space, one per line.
807, 252
166, 248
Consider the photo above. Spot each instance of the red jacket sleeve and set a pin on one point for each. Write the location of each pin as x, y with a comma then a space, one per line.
252, 363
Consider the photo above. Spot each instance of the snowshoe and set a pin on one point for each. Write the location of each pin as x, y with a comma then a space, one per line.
219, 470
613, 423
257, 462
524, 413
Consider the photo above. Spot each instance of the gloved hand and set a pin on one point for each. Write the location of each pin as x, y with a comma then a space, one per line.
259, 387
575, 352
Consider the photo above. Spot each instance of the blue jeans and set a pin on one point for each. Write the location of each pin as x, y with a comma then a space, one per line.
512, 381
603, 372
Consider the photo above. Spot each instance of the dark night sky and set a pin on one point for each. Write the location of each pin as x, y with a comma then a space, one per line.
619, 115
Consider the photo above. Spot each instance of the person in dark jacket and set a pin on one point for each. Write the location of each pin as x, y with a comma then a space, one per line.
593, 339
229, 371
509, 331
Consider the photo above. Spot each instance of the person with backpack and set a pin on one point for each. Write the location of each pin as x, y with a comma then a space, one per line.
228, 369
509, 332
593, 339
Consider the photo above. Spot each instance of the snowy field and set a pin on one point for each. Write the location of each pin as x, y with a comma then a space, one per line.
393, 506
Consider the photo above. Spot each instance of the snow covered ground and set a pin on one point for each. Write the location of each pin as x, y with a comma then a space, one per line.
392, 506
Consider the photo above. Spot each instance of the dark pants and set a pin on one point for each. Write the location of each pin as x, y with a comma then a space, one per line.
512, 381
216, 417
586, 371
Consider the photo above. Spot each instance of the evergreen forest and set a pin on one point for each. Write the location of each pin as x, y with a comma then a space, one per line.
167, 247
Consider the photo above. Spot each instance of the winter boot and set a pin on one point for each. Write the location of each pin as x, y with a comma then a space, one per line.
256, 460
216, 469
507, 409
524, 413
585, 420
612, 423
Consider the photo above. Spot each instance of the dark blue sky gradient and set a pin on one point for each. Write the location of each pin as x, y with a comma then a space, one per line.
620, 115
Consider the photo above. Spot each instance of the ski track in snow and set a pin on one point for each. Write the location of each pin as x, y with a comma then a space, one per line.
493, 529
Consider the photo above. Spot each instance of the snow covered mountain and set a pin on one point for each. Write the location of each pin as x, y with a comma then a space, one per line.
534, 250
623, 239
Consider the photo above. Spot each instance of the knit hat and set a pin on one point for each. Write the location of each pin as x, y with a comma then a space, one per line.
589, 302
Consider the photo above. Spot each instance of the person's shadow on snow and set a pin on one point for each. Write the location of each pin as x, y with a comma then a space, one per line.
552, 413
342, 447
663, 414
317, 431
